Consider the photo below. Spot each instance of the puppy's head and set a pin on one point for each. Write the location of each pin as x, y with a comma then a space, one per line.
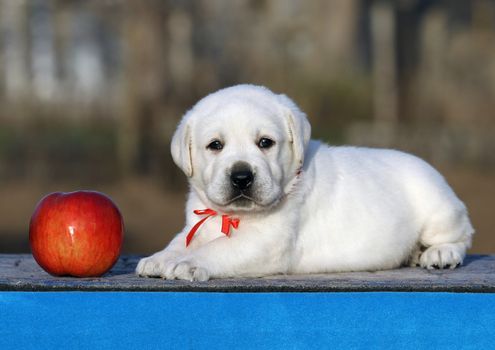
241, 147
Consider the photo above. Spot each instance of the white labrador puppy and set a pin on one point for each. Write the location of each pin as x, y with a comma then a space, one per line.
265, 200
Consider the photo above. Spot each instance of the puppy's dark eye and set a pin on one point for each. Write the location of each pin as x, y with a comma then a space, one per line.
265, 143
215, 145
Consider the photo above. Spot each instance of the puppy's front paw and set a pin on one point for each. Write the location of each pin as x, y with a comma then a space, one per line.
153, 266
186, 270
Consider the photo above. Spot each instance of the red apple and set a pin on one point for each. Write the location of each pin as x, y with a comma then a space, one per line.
78, 233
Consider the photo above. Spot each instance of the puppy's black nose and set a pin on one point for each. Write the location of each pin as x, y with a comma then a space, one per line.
242, 180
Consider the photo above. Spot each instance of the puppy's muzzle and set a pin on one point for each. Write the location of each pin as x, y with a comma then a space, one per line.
241, 176
242, 180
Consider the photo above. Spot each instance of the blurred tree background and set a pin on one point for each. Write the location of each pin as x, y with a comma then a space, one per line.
91, 92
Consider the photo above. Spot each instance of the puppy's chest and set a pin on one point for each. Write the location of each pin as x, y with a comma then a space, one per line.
212, 229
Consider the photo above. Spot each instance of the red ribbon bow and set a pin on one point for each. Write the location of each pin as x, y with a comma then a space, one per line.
227, 221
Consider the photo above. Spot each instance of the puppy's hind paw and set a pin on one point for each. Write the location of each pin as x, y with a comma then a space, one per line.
443, 256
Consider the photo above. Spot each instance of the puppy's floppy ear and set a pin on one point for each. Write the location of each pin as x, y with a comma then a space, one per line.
299, 129
181, 147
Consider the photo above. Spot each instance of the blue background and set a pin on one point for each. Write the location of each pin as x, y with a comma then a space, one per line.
123, 320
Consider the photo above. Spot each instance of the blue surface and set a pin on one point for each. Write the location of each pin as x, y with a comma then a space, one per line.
121, 320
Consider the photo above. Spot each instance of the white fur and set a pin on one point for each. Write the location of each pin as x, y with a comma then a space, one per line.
349, 209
